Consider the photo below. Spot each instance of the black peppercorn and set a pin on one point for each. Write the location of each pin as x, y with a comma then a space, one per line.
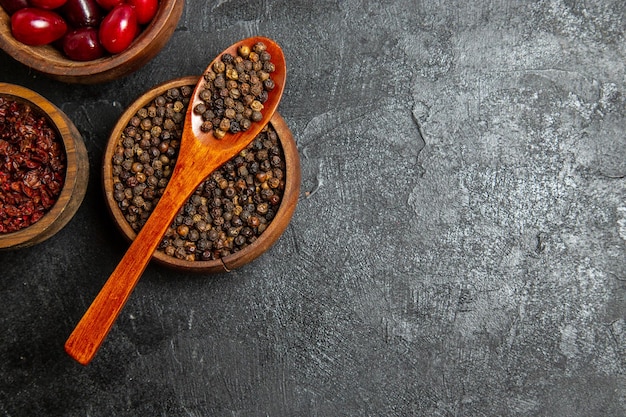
236, 82
229, 209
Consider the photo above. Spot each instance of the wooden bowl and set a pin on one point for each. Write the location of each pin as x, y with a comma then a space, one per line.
51, 62
237, 259
76, 176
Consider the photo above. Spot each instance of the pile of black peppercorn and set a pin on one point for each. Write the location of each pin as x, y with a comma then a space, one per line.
236, 88
227, 212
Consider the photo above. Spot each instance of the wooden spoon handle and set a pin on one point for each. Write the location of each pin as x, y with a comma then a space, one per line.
92, 329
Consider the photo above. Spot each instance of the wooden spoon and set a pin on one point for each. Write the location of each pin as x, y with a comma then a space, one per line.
199, 155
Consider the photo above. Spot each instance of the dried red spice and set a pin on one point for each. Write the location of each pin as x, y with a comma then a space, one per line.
32, 166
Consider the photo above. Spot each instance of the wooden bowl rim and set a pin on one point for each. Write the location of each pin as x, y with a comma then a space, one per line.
73, 146
48, 60
234, 260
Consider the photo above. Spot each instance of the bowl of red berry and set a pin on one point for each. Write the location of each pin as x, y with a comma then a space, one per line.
86, 41
44, 168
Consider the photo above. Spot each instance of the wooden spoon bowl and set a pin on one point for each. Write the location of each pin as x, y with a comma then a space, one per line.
76, 176
51, 62
276, 227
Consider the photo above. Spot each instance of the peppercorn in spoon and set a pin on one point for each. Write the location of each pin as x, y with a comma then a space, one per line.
216, 128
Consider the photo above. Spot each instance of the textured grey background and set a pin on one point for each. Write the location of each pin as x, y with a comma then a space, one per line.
459, 247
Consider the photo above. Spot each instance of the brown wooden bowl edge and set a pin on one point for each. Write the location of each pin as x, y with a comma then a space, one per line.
230, 262
76, 178
101, 70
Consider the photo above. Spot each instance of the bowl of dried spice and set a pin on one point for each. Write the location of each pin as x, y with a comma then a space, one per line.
87, 41
44, 168
235, 214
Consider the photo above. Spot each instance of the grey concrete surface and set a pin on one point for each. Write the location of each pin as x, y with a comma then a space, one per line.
459, 246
